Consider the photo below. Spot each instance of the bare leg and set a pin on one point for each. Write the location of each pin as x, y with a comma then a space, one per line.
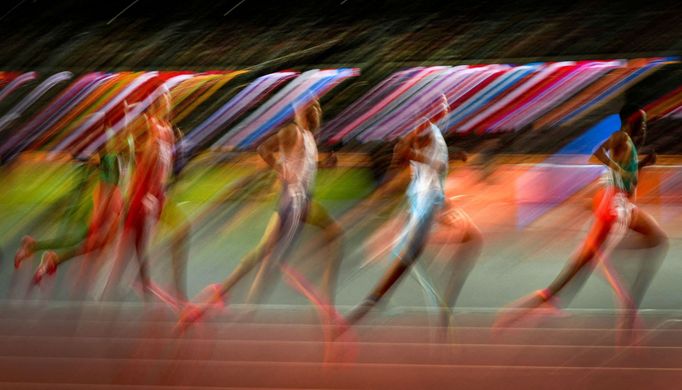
332, 231
595, 239
390, 278
67, 241
462, 263
141, 239
643, 223
52, 259
121, 255
29, 246
657, 243
258, 254
134, 239
415, 246
593, 243
263, 250
92, 242
179, 246
290, 221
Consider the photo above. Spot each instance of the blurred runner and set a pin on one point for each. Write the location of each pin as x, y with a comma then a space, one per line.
615, 212
425, 151
147, 195
292, 154
104, 220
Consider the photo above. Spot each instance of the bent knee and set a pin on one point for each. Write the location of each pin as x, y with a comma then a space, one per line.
333, 231
659, 238
473, 234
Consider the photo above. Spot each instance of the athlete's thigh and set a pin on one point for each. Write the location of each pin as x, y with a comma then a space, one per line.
452, 224
643, 223
318, 216
271, 233
597, 234
418, 233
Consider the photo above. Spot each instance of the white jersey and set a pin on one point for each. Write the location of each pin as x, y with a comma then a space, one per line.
426, 178
299, 166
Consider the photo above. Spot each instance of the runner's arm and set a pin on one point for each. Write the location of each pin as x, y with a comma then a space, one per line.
602, 155
271, 146
422, 158
401, 153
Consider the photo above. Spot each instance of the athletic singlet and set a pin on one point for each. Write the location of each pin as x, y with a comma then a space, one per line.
299, 167
163, 163
426, 178
154, 165
627, 185
109, 170
425, 196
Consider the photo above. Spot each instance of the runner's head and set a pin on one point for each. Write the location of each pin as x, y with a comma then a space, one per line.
436, 110
314, 115
422, 135
309, 116
633, 121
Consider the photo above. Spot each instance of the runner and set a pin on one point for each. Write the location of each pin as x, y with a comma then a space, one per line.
292, 154
146, 198
103, 225
427, 154
615, 213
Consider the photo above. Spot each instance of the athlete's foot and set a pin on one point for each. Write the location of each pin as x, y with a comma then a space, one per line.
189, 315
48, 266
551, 305
629, 326
330, 312
339, 328
210, 297
341, 346
25, 251
446, 331
523, 307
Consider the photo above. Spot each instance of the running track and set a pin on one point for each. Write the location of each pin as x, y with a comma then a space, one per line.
62, 344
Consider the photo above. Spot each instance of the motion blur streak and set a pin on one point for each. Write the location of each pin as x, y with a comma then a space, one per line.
340, 194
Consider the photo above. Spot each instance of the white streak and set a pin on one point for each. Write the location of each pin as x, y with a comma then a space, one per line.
11, 9
231, 9
124, 10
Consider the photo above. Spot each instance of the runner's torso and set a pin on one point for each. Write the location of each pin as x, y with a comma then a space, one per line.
625, 155
155, 162
299, 163
426, 176
110, 170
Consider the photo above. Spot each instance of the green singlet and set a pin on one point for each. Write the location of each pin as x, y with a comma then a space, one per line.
109, 170
629, 185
